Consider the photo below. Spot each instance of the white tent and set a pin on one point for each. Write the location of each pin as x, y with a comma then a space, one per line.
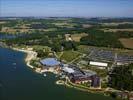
98, 63
68, 70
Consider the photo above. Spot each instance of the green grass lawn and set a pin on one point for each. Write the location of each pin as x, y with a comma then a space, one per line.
100, 72
70, 55
83, 48
58, 54
39, 47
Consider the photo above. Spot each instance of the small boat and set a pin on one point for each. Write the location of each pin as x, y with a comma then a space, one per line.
14, 63
63, 76
44, 75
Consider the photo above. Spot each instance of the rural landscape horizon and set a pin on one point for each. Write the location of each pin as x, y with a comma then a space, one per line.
66, 49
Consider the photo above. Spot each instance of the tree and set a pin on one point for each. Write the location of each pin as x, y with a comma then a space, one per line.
69, 45
122, 78
40, 53
56, 47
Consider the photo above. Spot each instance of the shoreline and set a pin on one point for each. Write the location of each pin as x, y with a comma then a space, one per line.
30, 55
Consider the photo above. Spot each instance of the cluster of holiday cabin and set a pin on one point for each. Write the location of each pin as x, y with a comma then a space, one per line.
78, 76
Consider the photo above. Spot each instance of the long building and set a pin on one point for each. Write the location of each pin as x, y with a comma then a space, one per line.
99, 57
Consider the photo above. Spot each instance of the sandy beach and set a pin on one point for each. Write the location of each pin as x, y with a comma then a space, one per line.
30, 55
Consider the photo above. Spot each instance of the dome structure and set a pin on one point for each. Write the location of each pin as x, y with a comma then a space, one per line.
50, 62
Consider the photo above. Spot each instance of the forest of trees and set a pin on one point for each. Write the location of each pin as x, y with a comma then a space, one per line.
49, 39
94, 38
100, 38
122, 78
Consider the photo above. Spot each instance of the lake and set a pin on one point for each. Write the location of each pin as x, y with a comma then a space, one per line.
18, 82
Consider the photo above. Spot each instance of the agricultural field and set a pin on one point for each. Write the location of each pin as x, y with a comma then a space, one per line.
3, 22
87, 25
77, 37
128, 43
117, 30
64, 24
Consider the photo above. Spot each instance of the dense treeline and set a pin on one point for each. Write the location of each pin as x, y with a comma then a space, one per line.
56, 39
110, 20
41, 26
120, 34
103, 20
119, 26
100, 38
122, 78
